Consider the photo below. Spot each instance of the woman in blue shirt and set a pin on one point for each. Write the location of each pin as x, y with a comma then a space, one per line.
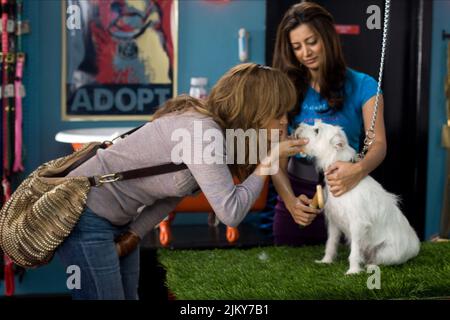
308, 49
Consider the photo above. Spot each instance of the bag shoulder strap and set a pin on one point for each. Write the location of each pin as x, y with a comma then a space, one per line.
123, 135
96, 181
135, 173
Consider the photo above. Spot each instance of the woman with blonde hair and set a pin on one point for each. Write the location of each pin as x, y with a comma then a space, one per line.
247, 97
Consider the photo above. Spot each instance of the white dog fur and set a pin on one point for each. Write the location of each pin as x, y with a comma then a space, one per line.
369, 216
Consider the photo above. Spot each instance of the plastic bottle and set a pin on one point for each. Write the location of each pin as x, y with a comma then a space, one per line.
198, 88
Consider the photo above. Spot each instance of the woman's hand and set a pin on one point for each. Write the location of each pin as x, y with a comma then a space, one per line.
270, 165
343, 176
288, 147
300, 210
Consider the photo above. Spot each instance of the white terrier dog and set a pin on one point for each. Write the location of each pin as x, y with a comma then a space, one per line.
369, 217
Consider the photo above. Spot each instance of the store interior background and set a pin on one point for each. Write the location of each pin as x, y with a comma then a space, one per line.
207, 32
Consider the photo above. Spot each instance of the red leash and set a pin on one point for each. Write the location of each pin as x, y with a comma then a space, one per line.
9, 265
9, 277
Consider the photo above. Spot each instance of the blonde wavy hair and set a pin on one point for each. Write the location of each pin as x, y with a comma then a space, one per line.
248, 96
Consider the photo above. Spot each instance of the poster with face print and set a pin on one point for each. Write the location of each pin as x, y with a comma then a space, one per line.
119, 58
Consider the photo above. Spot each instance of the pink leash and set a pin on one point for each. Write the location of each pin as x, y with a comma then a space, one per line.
18, 166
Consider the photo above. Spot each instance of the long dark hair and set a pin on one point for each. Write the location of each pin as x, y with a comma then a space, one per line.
332, 70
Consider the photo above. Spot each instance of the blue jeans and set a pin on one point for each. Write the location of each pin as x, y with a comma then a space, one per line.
104, 275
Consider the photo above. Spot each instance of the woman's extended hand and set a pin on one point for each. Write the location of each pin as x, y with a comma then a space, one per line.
343, 176
300, 210
289, 147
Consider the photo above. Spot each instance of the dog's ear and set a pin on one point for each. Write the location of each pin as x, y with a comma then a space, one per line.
338, 141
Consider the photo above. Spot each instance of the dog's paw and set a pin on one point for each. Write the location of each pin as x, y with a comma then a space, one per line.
353, 271
324, 260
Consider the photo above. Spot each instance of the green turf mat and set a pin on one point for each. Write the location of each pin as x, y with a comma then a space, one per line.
291, 273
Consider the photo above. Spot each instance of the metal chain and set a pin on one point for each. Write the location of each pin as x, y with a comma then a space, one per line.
370, 133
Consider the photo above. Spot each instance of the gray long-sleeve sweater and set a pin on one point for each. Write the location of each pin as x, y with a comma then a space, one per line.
146, 201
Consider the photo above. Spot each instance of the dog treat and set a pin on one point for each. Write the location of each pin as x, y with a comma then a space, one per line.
319, 193
317, 201
314, 204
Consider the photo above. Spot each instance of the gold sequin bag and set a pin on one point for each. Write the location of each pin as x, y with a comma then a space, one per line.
43, 210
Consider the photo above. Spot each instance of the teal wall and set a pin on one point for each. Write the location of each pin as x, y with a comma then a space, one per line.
208, 47
437, 117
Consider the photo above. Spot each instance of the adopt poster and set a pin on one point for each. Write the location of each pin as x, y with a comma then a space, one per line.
119, 58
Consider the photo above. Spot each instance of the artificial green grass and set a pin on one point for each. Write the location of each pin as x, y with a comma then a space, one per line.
281, 273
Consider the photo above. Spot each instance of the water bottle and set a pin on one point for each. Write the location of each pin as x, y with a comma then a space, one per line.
198, 88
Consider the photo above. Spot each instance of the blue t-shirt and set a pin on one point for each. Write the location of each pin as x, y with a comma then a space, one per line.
358, 89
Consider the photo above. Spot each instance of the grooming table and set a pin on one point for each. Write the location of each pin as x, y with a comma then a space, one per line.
78, 137
287, 273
